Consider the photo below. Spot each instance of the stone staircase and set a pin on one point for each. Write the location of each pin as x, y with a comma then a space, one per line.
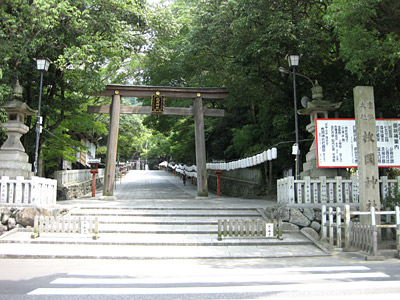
163, 233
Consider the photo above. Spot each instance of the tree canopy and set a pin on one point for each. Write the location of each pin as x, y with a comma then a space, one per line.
238, 44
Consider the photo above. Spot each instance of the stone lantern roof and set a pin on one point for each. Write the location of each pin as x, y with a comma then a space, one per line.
16, 107
318, 104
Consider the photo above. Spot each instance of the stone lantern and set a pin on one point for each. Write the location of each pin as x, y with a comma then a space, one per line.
317, 109
13, 159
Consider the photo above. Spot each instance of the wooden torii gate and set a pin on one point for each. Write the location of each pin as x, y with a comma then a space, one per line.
197, 110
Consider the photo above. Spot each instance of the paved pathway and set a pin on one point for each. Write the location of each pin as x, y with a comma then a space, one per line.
156, 216
162, 189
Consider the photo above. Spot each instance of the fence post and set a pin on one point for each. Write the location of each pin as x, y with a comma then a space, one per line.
323, 222
339, 189
35, 193
374, 240
354, 189
18, 190
338, 227
330, 225
373, 217
324, 194
307, 189
299, 191
290, 189
347, 226
316, 197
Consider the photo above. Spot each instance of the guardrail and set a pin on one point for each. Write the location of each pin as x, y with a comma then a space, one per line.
81, 225
66, 177
36, 191
245, 228
318, 191
362, 237
327, 190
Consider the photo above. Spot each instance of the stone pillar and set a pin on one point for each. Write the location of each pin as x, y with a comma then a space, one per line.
364, 109
202, 187
112, 143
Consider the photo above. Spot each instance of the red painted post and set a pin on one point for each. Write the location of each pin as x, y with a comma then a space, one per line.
218, 172
93, 184
94, 167
192, 179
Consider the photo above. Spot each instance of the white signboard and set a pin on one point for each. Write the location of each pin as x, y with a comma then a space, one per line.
337, 143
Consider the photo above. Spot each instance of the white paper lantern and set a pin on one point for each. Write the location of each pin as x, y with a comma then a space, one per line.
274, 153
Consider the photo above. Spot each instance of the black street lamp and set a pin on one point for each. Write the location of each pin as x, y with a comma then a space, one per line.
294, 60
42, 66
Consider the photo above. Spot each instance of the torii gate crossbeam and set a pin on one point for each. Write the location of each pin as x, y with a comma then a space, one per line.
197, 110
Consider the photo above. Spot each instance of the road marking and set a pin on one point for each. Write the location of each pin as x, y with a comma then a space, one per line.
258, 272
213, 279
323, 287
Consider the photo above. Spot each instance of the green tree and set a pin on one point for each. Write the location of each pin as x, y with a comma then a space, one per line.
368, 35
89, 42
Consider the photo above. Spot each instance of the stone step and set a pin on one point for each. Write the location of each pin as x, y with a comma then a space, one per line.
148, 251
153, 239
157, 228
166, 220
220, 213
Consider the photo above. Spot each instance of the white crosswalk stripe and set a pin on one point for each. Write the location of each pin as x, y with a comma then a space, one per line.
350, 280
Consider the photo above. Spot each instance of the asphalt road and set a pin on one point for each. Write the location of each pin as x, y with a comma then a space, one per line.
344, 276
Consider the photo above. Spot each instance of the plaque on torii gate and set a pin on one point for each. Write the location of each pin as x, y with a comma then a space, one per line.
197, 110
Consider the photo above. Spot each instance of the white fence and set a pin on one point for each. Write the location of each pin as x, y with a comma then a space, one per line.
82, 225
37, 191
336, 224
327, 191
67, 177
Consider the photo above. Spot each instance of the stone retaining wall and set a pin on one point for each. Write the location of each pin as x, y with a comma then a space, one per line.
77, 189
243, 183
23, 217
298, 219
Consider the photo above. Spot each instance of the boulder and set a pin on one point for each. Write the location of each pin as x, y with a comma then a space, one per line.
309, 213
316, 226
26, 216
289, 227
297, 218
5, 217
311, 232
3, 228
11, 223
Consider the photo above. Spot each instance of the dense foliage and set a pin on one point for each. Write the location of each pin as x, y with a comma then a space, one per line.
238, 44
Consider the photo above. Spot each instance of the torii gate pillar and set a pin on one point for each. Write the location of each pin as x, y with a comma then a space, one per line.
202, 186
112, 143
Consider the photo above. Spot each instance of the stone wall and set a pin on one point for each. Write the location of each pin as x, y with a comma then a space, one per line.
77, 189
243, 183
298, 219
23, 217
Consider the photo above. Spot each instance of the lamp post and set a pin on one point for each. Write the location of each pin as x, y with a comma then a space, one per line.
42, 66
294, 60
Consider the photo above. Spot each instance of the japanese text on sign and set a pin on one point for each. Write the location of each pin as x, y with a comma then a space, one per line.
337, 143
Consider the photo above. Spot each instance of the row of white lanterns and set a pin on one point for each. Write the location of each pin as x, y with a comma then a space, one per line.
247, 162
190, 171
